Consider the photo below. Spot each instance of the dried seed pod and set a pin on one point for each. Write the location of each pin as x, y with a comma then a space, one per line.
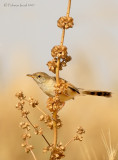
54, 104
68, 58
24, 113
28, 148
25, 125
59, 51
20, 105
78, 137
39, 131
26, 136
24, 144
52, 65
41, 117
61, 88
65, 22
33, 102
59, 123
20, 95
58, 152
80, 131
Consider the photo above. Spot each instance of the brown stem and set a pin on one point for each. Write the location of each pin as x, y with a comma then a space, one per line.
68, 142
55, 128
68, 9
62, 36
57, 71
57, 79
31, 151
33, 155
37, 108
45, 140
55, 113
41, 110
58, 61
36, 130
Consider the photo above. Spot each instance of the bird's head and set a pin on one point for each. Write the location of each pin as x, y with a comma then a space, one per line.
39, 77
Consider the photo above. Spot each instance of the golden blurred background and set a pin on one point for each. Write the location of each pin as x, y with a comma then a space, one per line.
27, 35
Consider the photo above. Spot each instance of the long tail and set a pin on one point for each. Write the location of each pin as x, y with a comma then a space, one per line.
97, 93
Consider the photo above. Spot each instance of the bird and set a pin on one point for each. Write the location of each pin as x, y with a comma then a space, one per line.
47, 85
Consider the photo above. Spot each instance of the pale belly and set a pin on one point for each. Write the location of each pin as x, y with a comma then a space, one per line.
48, 88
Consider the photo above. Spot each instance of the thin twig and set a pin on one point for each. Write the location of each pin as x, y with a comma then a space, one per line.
57, 71
68, 142
37, 108
55, 128
62, 37
46, 140
68, 9
41, 110
33, 155
36, 130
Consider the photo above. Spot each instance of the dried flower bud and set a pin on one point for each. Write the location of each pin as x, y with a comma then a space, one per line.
20, 95
45, 150
56, 52
54, 104
50, 124
47, 118
24, 113
63, 64
24, 144
33, 102
52, 65
41, 117
26, 136
61, 88
77, 137
59, 51
36, 126
65, 22
28, 148
68, 58
80, 130
20, 105
59, 124
21, 124
56, 153
25, 125
39, 131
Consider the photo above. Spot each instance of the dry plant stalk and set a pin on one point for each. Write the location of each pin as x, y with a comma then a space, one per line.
54, 105
111, 151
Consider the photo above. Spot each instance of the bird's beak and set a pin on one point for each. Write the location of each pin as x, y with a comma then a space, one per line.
30, 75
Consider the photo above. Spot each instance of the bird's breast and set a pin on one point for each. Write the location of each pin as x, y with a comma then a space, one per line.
48, 87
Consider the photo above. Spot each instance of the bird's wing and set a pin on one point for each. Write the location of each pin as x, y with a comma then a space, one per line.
72, 87
53, 78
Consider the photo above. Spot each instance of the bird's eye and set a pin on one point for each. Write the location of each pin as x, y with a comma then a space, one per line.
39, 76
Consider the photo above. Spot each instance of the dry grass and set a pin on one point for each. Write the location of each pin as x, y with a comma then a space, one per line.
111, 151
